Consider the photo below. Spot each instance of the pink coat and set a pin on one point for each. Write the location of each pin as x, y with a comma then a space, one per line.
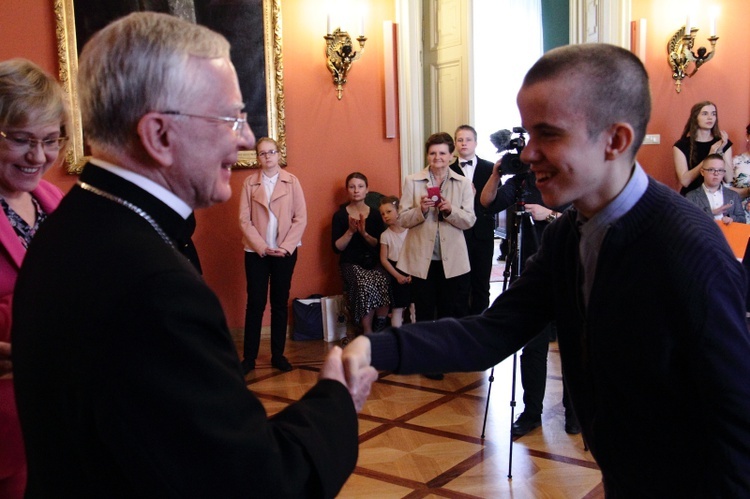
12, 253
12, 456
287, 203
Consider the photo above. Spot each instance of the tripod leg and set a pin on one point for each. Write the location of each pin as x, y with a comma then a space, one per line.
512, 412
487, 404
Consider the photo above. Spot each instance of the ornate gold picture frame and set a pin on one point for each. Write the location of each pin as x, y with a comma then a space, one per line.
67, 50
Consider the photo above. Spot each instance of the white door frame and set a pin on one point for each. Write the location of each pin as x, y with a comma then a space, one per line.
612, 24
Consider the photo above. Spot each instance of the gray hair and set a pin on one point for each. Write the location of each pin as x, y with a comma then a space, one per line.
28, 93
136, 65
613, 85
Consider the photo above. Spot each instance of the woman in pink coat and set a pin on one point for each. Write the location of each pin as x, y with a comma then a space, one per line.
33, 119
273, 217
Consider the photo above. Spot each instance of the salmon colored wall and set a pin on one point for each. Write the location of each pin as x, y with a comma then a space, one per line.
326, 139
725, 79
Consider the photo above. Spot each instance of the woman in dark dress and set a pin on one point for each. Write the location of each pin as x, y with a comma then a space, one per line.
355, 234
700, 137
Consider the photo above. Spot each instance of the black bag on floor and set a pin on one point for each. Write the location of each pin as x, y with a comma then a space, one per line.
308, 318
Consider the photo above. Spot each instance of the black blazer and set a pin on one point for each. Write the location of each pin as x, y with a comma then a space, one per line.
128, 382
484, 228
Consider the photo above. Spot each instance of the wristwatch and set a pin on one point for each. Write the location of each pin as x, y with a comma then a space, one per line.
551, 217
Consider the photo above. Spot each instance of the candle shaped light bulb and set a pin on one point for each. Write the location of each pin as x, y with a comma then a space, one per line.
687, 25
362, 26
713, 25
328, 24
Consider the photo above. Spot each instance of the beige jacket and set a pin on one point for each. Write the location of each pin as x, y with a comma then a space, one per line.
420, 241
287, 203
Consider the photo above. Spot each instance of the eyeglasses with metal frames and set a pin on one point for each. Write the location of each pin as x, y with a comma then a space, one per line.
237, 123
714, 170
265, 154
25, 144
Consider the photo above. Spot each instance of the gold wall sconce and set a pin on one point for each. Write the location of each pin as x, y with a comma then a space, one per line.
340, 54
681, 55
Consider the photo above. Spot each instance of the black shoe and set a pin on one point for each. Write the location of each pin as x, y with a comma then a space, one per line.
281, 364
436, 377
572, 427
524, 424
248, 365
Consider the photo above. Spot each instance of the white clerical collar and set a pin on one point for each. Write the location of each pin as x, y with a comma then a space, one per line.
148, 185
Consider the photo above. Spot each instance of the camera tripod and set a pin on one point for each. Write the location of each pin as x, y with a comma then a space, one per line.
513, 267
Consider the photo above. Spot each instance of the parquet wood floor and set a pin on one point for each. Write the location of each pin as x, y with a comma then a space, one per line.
420, 438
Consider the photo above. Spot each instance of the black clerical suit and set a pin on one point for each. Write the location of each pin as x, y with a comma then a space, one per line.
479, 239
128, 382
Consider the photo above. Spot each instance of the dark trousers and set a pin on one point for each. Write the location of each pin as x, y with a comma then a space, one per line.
480, 258
437, 297
259, 271
534, 374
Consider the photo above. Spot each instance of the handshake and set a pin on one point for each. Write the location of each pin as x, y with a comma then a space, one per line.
351, 367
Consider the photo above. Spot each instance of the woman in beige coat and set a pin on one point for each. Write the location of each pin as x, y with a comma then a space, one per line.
434, 251
273, 217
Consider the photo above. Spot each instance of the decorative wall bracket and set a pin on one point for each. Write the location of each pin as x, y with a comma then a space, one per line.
681, 55
340, 55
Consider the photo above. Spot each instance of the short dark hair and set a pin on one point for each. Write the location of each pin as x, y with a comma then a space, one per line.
713, 155
614, 85
358, 175
440, 138
468, 128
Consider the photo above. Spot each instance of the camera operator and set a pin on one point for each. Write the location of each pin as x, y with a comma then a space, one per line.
536, 216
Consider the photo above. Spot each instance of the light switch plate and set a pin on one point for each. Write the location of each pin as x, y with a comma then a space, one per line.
651, 138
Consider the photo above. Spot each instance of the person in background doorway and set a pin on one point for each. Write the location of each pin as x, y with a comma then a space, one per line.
273, 217
480, 237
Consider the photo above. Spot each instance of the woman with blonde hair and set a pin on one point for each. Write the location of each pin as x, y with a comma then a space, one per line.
33, 121
273, 217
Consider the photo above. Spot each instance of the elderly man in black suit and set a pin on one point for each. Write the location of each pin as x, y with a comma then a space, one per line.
128, 381
479, 238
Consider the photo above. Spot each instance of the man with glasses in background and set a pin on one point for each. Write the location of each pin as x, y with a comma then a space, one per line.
128, 382
712, 197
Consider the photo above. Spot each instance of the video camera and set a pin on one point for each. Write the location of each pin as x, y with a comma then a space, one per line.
503, 140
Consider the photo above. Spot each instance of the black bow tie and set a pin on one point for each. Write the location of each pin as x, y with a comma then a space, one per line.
464, 164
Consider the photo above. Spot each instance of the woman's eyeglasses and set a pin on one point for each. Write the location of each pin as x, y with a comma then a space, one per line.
265, 154
23, 144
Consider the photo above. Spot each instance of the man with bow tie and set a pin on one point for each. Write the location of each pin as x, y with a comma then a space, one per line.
479, 238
